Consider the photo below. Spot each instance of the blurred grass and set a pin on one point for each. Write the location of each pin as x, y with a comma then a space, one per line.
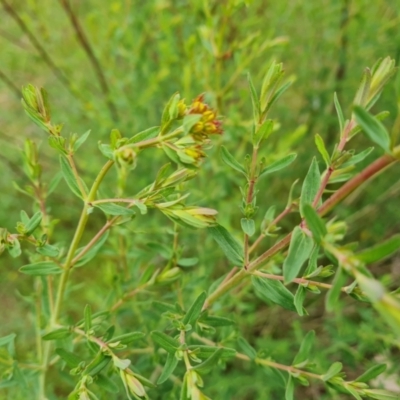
149, 50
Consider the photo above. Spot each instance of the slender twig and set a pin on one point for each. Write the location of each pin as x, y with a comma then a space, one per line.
373, 169
300, 281
43, 53
84, 41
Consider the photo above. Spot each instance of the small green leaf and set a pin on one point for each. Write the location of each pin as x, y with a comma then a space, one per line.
289, 392
207, 365
254, 100
98, 364
188, 262
279, 164
229, 160
339, 112
57, 334
300, 249
248, 226
33, 223
82, 139
70, 358
7, 339
274, 291
106, 150
319, 142
333, 370
147, 134
169, 368
127, 338
247, 348
371, 373
299, 300
41, 268
48, 250
69, 177
333, 293
311, 184
305, 350
114, 209
380, 251
315, 223
205, 352
195, 310
263, 132
381, 394
229, 245
357, 158
166, 342
373, 128
14, 248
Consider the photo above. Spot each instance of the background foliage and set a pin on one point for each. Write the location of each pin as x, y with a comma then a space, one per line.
146, 51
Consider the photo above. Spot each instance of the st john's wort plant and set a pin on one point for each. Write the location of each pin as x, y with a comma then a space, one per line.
178, 338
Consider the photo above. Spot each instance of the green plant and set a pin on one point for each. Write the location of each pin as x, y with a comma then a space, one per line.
179, 326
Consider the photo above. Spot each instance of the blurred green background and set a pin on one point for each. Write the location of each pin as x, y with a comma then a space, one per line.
118, 66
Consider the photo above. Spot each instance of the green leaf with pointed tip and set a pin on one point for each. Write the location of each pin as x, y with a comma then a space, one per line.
289, 392
319, 142
168, 369
381, 394
70, 358
299, 300
166, 342
229, 245
41, 268
57, 334
69, 177
300, 249
254, 100
127, 338
314, 222
247, 348
82, 139
339, 112
305, 349
215, 321
7, 339
33, 223
279, 164
114, 209
147, 134
273, 291
357, 158
333, 370
195, 310
248, 226
207, 365
311, 184
380, 251
373, 128
371, 373
229, 160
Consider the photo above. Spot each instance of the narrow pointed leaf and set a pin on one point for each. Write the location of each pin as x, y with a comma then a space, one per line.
300, 249
229, 160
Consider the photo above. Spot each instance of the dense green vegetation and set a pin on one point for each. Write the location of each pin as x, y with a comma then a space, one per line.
111, 68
